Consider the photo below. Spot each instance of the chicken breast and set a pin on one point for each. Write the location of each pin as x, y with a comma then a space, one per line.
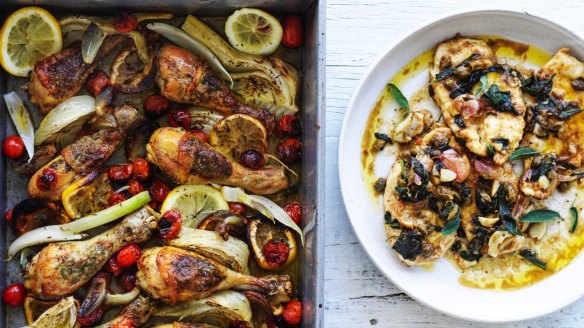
491, 124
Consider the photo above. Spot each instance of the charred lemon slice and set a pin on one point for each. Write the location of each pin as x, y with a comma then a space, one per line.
194, 202
87, 195
28, 34
33, 307
253, 31
274, 246
238, 133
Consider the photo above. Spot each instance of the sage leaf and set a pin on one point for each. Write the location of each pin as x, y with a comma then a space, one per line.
452, 225
490, 149
501, 100
398, 96
540, 216
384, 137
521, 153
574, 217
531, 256
484, 81
450, 71
505, 214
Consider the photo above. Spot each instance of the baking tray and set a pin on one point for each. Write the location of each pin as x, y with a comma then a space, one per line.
312, 110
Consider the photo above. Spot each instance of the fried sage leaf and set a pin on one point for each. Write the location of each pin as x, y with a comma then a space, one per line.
452, 225
540, 216
574, 217
531, 256
501, 100
521, 153
398, 96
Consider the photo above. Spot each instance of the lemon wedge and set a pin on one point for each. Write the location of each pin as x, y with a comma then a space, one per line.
253, 31
237, 133
28, 34
194, 202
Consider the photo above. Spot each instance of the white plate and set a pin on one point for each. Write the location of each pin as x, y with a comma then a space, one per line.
440, 289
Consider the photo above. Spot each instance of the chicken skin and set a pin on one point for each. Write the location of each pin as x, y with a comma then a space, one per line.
185, 78
61, 268
187, 160
172, 275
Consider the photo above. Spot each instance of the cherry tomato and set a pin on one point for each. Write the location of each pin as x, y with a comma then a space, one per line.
180, 118
276, 253
92, 318
8, 215
294, 211
237, 208
158, 191
13, 294
156, 104
289, 151
128, 281
170, 224
47, 180
113, 266
293, 312
127, 322
97, 82
293, 33
116, 198
252, 159
136, 187
288, 127
13, 146
128, 255
120, 173
141, 169
125, 23
200, 135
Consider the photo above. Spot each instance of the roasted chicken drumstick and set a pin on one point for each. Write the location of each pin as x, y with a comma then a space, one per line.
61, 268
133, 314
172, 274
187, 160
186, 78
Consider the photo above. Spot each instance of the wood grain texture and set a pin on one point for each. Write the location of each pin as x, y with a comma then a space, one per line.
356, 293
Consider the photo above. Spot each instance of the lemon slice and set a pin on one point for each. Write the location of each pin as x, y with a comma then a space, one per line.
193, 202
253, 31
262, 232
87, 195
29, 34
237, 133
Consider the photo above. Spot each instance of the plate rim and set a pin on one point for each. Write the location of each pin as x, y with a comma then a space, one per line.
342, 134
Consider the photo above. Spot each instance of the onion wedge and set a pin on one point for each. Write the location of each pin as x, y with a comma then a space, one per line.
21, 118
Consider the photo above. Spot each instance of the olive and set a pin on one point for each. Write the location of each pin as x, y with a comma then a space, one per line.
252, 159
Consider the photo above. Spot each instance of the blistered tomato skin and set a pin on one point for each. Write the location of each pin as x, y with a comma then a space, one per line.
252, 159
179, 118
116, 198
288, 127
113, 266
13, 147
294, 210
289, 151
127, 322
293, 312
8, 215
125, 23
128, 255
200, 135
156, 104
237, 208
170, 224
293, 34
97, 82
276, 253
47, 180
135, 187
13, 294
92, 318
158, 191
141, 169
120, 173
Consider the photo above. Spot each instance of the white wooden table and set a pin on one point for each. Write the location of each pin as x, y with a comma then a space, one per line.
356, 293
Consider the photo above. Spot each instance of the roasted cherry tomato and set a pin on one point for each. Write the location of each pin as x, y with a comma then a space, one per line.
13, 294
294, 211
13, 146
96, 82
179, 118
128, 281
237, 208
156, 104
47, 180
135, 187
293, 312
92, 318
125, 23
200, 135
128, 255
116, 198
121, 173
293, 33
8, 215
127, 322
158, 191
113, 266
289, 151
276, 253
141, 169
170, 224
288, 127
252, 159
